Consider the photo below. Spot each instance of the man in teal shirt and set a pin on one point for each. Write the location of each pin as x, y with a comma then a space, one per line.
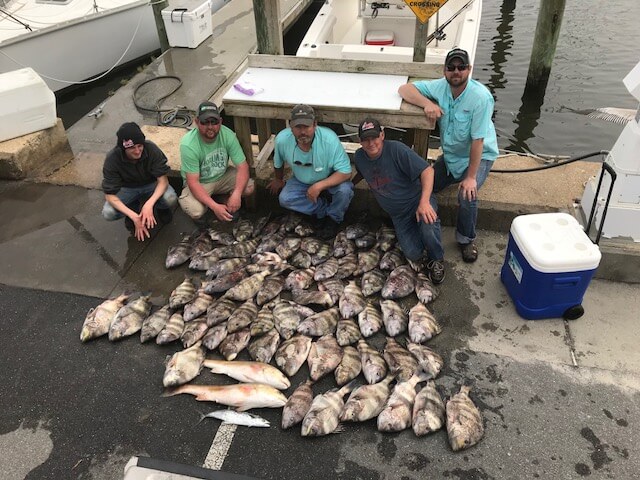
463, 108
318, 163
205, 153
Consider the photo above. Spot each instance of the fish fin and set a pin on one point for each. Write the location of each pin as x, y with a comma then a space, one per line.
340, 428
170, 391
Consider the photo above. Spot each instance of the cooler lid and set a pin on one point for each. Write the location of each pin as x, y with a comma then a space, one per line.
554, 243
189, 7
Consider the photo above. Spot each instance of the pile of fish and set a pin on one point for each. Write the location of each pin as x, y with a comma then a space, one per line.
274, 289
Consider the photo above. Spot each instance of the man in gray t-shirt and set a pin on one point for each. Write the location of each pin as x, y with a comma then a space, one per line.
402, 182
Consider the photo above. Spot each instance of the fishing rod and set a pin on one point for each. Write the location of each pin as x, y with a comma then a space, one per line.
439, 34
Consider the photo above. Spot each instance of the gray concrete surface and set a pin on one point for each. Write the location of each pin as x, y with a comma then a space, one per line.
79, 411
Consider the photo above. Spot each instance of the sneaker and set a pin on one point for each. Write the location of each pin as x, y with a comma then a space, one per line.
163, 215
436, 271
469, 252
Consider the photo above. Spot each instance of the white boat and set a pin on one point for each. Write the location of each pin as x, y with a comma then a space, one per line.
384, 31
69, 41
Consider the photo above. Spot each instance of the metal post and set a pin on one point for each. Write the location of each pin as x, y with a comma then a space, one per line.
544, 43
268, 26
157, 15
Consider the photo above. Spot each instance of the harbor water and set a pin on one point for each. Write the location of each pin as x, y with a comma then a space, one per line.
597, 47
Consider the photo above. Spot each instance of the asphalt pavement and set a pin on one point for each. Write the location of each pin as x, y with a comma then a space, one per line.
559, 399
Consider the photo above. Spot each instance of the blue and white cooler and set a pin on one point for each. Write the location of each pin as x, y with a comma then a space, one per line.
548, 265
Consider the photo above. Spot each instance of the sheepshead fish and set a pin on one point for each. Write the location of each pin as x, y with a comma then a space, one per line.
326, 270
322, 417
392, 259
394, 317
288, 246
268, 243
224, 282
260, 223
428, 360
197, 306
172, 330
263, 348
292, 353
374, 368
350, 366
201, 244
368, 240
422, 324
386, 238
286, 319
304, 229
310, 245
352, 301
263, 323
320, 324
129, 318
203, 261
224, 238
242, 316
400, 360
237, 250
99, 319
312, 297
347, 266
271, 288
243, 229
226, 266
347, 332
342, 245
220, 311
369, 320
366, 401
324, 356
322, 255
193, 332
244, 419
182, 294
248, 287
428, 410
396, 414
297, 405
372, 282
180, 253
400, 283
249, 372
242, 396
184, 366
214, 336
291, 221
154, 324
367, 260
356, 230
300, 259
234, 343
333, 287
464, 421
299, 279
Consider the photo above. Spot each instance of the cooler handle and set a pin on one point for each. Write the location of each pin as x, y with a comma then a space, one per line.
566, 282
181, 11
612, 173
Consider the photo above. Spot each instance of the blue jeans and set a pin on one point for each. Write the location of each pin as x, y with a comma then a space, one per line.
134, 198
294, 197
415, 236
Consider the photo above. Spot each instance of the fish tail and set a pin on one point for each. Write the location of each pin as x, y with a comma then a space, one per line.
171, 391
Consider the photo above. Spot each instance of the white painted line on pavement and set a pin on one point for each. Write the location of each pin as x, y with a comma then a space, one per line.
220, 447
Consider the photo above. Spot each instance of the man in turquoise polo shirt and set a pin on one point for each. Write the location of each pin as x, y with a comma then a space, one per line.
319, 164
206, 153
463, 108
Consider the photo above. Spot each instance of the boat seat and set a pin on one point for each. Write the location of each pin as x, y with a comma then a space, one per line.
379, 37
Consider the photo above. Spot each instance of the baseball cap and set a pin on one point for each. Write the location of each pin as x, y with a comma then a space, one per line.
208, 111
369, 128
129, 135
302, 115
457, 53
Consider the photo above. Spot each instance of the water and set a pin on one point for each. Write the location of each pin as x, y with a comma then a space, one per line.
597, 47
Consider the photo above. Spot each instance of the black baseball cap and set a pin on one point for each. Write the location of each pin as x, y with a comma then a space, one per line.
457, 53
302, 114
369, 128
208, 111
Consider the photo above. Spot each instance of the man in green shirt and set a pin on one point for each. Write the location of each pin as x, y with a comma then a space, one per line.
205, 153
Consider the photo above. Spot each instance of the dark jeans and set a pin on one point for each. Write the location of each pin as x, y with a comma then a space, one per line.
415, 236
134, 197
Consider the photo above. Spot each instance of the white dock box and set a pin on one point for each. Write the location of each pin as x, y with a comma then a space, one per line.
188, 22
27, 104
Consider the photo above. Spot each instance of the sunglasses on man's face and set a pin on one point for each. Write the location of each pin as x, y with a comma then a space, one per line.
461, 68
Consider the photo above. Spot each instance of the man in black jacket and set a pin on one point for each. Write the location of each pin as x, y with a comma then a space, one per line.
135, 183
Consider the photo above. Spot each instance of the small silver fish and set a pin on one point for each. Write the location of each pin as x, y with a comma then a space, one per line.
231, 417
